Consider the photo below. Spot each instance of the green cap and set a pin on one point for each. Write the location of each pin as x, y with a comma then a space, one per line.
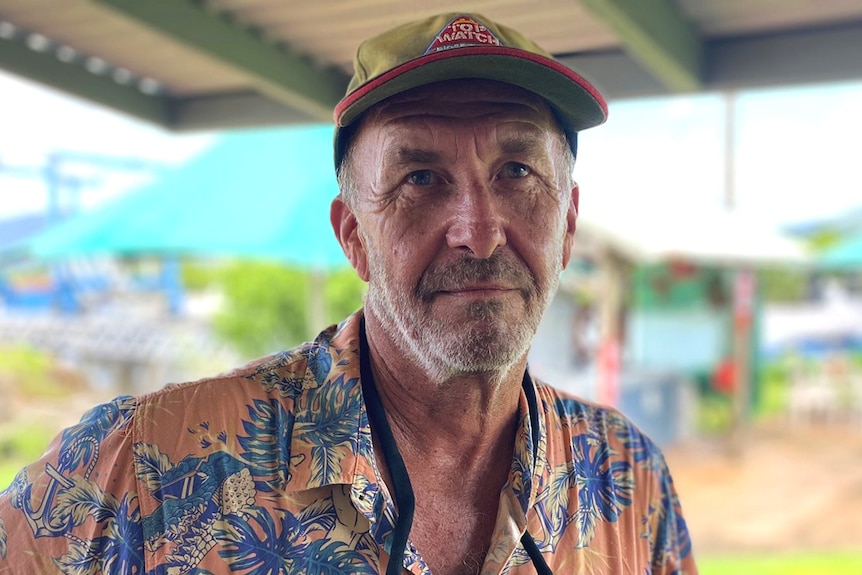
460, 46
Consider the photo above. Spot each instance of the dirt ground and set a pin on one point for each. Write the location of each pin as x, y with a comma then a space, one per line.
795, 487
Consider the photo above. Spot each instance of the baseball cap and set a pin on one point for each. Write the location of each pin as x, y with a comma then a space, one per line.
459, 46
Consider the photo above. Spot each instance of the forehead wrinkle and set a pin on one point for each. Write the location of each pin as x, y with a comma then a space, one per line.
413, 136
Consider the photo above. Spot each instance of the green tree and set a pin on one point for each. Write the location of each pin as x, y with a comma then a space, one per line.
268, 306
784, 285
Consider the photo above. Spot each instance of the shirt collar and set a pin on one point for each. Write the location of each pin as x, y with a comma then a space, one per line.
331, 437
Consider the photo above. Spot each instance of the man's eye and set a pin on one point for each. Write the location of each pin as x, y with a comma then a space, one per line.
421, 178
515, 170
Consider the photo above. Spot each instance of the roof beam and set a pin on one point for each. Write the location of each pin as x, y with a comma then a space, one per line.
46, 68
235, 110
282, 75
658, 36
794, 58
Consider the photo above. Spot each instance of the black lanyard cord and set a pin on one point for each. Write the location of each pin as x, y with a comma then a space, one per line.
527, 541
529, 545
403, 491
397, 470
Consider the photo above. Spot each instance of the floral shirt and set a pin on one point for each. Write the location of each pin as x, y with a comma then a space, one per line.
269, 470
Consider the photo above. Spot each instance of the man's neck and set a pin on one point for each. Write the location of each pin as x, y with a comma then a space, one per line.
456, 437
462, 416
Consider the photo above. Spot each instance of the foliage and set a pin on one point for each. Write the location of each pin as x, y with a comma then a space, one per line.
774, 383
344, 292
824, 239
268, 305
20, 445
784, 285
21, 360
198, 274
32, 373
715, 408
25, 441
714, 414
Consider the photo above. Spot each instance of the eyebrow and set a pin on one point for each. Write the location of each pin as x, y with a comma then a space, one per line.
405, 156
520, 145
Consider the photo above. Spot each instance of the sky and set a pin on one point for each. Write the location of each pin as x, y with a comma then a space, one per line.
795, 151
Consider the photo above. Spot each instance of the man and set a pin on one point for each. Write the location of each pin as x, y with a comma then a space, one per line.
410, 437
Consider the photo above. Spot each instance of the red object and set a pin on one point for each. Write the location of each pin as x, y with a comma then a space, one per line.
681, 269
724, 378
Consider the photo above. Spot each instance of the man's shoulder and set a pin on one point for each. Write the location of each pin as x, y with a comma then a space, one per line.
583, 418
286, 373
567, 405
269, 371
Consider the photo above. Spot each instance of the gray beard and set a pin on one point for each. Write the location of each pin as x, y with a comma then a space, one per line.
487, 345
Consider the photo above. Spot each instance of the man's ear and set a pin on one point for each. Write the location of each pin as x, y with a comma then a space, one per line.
571, 224
346, 229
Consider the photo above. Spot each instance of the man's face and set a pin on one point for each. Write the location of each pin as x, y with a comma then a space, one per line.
465, 218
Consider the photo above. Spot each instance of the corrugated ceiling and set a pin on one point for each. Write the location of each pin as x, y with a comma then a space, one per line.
189, 64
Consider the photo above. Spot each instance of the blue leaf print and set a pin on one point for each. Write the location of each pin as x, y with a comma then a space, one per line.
267, 445
643, 451
329, 422
80, 499
150, 466
319, 515
332, 415
325, 462
522, 459
570, 410
319, 361
334, 558
120, 550
552, 507
258, 543
604, 486
366, 447
672, 535
123, 550
267, 550
81, 558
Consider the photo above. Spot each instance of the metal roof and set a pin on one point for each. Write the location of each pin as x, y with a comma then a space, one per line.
206, 64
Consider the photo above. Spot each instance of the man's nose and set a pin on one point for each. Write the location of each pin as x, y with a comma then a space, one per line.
478, 224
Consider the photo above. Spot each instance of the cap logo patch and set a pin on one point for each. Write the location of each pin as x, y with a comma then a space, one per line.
462, 32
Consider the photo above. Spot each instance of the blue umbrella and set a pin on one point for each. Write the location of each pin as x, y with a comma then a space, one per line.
262, 193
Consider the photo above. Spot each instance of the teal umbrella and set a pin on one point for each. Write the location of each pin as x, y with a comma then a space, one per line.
262, 194
846, 256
